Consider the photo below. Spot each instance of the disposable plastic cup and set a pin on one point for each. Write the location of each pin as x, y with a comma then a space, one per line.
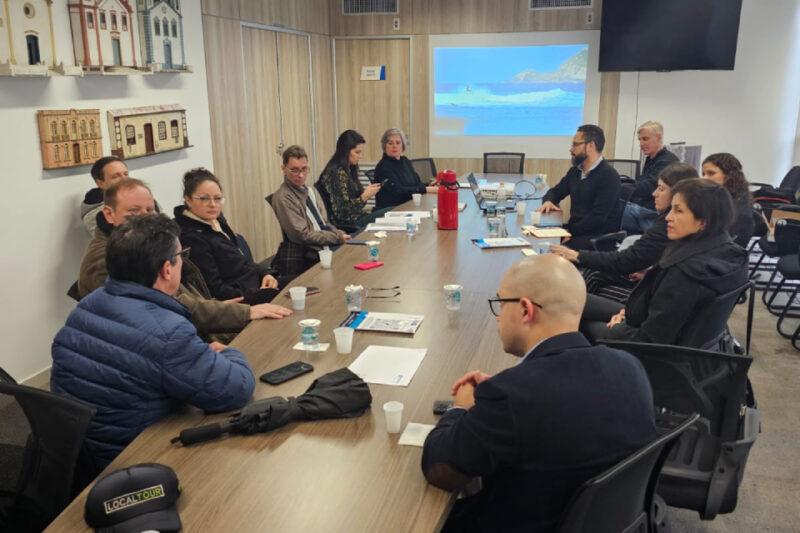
353, 296
298, 295
309, 332
344, 339
372, 250
394, 416
521, 208
494, 226
535, 217
325, 258
417, 197
491, 208
452, 297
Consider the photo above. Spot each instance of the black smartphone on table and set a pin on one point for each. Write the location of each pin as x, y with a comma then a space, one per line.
285, 373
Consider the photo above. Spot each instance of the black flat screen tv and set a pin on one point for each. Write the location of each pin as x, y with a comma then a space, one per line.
637, 35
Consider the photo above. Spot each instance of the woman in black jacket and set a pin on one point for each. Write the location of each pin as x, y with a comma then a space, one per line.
395, 174
724, 169
700, 263
615, 274
214, 246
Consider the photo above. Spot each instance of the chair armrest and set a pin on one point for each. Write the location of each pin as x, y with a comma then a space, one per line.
608, 242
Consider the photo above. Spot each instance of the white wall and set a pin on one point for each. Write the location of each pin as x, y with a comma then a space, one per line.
751, 112
42, 239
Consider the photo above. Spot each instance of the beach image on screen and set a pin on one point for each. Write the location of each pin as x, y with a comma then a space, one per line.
516, 90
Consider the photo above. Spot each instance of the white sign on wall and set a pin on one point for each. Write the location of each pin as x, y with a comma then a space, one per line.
374, 73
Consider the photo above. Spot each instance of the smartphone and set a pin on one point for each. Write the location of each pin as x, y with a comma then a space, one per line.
285, 373
440, 407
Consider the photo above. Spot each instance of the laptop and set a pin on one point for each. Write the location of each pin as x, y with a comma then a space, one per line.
481, 201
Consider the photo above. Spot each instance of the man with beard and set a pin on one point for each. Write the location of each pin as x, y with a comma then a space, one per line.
593, 187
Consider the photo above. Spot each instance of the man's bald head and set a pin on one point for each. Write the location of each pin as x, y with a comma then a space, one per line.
556, 293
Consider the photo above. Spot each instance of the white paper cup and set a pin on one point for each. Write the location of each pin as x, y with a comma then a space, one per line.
372, 250
521, 205
417, 198
535, 217
344, 339
394, 416
298, 295
325, 257
452, 297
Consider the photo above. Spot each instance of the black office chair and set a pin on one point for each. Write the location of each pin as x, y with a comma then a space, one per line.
787, 241
5, 377
425, 169
704, 470
620, 500
785, 193
608, 242
370, 174
40, 440
503, 162
628, 169
788, 267
708, 327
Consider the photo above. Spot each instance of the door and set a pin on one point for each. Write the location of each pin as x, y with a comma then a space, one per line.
167, 55
76, 153
115, 48
148, 139
33, 49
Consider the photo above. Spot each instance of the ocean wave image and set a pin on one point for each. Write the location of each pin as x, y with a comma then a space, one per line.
485, 98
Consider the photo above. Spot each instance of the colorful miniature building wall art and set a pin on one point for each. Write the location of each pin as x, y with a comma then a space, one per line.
161, 34
104, 33
27, 45
141, 131
69, 137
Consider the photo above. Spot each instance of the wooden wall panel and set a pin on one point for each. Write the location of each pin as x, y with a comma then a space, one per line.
263, 176
221, 8
322, 66
304, 15
372, 24
609, 102
420, 92
370, 107
293, 51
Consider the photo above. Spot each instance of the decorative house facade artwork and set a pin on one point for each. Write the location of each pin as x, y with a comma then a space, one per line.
161, 34
141, 131
105, 35
27, 44
69, 137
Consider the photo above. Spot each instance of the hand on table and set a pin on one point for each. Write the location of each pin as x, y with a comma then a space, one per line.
268, 311
217, 346
474, 378
432, 189
547, 207
567, 253
616, 319
465, 396
637, 276
344, 237
269, 282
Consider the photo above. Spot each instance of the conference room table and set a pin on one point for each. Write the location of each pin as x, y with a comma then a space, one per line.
347, 474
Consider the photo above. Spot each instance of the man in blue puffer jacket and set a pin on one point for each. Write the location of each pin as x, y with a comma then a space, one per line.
130, 351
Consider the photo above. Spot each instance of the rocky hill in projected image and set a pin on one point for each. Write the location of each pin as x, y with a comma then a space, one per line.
573, 70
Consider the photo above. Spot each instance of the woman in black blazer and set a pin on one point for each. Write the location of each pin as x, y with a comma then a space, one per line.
214, 246
700, 263
724, 169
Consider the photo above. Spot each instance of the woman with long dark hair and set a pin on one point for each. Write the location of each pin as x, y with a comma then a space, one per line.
346, 196
700, 263
724, 169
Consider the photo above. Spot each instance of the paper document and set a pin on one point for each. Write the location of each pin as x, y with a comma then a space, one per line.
319, 347
394, 221
404, 214
503, 242
389, 322
527, 252
415, 434
387, 365
545, 233
385, 227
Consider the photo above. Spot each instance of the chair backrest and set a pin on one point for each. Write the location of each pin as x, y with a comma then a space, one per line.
49, 431
503, 162
370, 174
5, 377
620, 499
791, 181
705, 329
608, 242
425, 168
630, 168
787, 236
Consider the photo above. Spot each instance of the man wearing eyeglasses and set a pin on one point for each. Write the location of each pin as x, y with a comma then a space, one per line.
129, 197
593, 187
536, 431
298, 213
129, 350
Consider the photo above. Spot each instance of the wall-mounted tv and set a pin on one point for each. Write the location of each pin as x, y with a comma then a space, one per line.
637, 35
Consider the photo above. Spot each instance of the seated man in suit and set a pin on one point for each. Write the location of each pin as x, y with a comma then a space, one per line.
640, 211
129, 196
593, 187
297, 210
129, 350
105, 171
538, 430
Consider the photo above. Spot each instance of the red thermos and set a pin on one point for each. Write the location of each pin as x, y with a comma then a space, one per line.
448, 199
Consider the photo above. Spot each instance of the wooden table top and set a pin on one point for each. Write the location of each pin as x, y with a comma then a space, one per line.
342, 475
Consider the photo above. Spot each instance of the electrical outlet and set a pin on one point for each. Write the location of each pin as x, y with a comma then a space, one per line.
396, 24
589, 17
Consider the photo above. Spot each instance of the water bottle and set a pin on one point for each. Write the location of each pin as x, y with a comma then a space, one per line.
501, 198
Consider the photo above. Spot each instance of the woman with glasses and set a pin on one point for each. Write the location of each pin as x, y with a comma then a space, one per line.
347, 198
700, 263
215, 248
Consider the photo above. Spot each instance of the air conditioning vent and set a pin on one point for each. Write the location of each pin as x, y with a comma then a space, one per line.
558, 4
370, 7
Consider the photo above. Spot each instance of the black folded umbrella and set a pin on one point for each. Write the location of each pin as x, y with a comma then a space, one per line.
338, 394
